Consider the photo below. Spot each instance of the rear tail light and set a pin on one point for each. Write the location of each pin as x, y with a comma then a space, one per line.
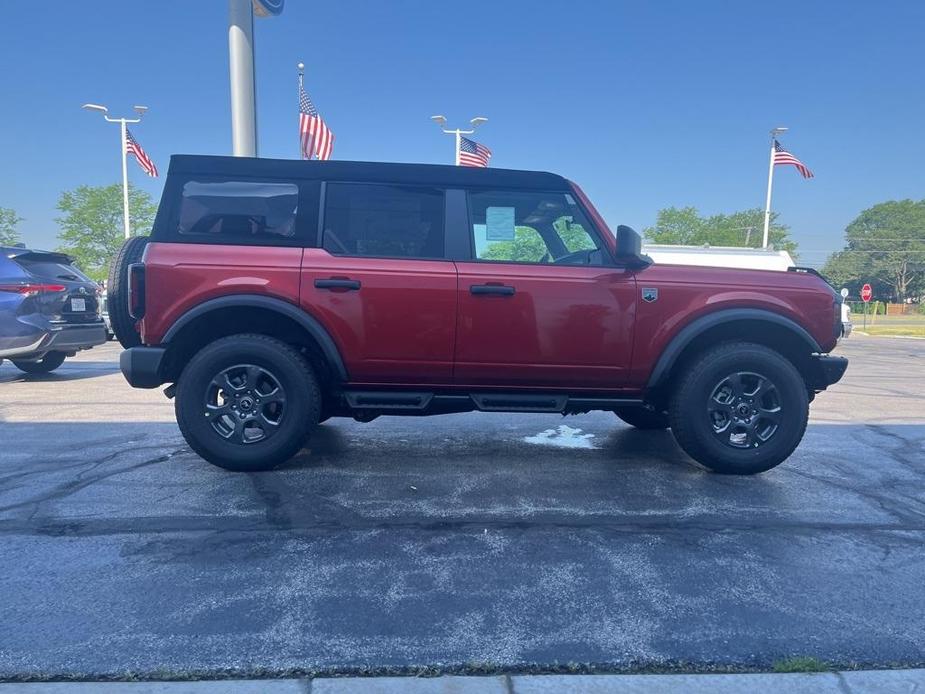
32, 289
136, 290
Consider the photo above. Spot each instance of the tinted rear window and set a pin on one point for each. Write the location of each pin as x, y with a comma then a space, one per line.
383, 220
249, 212
48, 269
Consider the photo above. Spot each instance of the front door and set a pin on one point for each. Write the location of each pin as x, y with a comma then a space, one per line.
540, 302
381, 285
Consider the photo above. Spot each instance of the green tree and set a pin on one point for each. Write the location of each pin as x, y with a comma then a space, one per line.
885, 245
91, 227
685, 226
8, 221
528, 246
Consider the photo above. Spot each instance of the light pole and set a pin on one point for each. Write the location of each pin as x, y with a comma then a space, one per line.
441, 121
140, 110
767, 206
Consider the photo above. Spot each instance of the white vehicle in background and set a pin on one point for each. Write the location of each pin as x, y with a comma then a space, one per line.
736, 257
720, 256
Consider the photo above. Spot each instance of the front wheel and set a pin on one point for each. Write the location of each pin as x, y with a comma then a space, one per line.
741, 408
247, 402
47, 364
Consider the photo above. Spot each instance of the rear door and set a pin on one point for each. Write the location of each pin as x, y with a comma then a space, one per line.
381, 284
541, 303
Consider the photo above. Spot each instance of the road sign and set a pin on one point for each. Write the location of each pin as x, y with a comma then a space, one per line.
866, 293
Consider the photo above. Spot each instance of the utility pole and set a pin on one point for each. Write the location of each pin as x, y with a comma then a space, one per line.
441, 121
767, 206
123, 123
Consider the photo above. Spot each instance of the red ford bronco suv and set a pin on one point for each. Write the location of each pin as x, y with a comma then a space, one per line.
273, 295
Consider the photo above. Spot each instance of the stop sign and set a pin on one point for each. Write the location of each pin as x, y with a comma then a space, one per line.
866, 292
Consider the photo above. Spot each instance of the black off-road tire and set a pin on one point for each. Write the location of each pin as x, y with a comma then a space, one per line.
47, 364
123, 325
693, 427
642, 418
294, 375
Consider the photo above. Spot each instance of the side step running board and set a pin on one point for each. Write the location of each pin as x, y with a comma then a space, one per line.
408, 402
382, 400
503, 402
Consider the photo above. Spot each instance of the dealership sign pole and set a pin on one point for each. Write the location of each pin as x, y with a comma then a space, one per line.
241, 70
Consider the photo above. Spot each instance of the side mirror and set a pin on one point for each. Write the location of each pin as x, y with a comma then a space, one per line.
629, 247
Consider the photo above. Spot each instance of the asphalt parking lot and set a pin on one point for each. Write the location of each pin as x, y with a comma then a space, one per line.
458, 543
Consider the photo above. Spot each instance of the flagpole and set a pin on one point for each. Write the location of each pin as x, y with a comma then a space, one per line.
459, 143
767, 206
301, 67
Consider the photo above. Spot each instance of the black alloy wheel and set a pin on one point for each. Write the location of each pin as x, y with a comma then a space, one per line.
745, 410
245, 403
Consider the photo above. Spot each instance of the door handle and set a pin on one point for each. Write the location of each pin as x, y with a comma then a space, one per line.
350, 285
499, 289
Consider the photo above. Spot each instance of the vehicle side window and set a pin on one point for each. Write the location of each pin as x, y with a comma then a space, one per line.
239, 212
527, 227
383, 220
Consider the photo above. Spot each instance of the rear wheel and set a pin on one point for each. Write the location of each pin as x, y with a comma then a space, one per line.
741, 408
48, 363
123, 325
247, 402
642, 418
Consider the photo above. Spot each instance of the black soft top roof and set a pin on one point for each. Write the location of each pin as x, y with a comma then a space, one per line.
374, 172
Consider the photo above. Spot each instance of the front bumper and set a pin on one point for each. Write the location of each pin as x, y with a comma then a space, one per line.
826, 370
142, 366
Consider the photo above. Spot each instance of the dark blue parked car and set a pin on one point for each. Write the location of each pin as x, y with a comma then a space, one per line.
49, 309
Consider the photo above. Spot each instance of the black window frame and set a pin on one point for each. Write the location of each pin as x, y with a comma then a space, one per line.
309, 193
607, 258
322, 212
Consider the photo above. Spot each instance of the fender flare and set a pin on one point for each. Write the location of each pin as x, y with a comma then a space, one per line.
311, 325
688, 333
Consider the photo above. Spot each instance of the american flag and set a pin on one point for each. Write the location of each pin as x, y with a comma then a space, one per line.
783, 157
471, 153
317, 139
132, 147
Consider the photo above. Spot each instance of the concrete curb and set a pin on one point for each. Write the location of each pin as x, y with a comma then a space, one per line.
850, 682
892, 337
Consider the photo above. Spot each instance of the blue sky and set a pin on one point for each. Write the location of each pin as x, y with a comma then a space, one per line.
645, 104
